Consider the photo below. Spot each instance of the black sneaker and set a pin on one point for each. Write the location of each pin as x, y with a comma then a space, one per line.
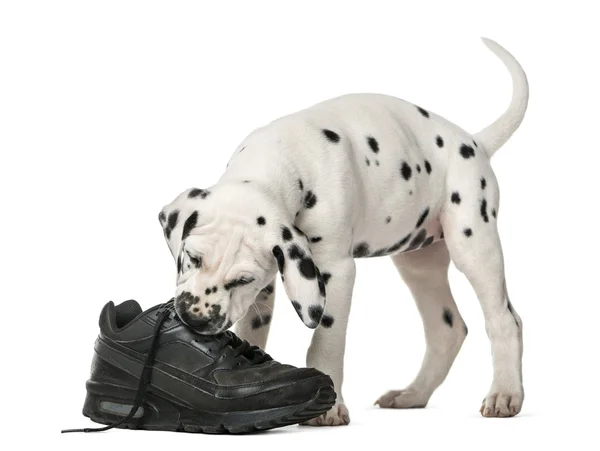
150, 371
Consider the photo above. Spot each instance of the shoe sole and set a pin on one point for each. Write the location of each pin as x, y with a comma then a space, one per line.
107, 403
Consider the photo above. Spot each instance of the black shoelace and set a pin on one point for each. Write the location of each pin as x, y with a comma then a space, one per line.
241, 347
144, 378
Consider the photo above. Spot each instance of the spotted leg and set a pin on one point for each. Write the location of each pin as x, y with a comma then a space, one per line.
326, 351
472, 237
255, 325
426, 274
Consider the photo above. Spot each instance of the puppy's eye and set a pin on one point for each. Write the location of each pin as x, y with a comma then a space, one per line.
244, 280
195, 260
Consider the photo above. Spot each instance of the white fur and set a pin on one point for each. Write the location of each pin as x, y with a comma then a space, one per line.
366, 201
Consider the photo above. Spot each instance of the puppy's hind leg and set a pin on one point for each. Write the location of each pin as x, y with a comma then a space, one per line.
254, 326
472, 237
426, 274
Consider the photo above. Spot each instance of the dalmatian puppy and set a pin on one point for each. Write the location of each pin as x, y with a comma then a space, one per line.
362, 175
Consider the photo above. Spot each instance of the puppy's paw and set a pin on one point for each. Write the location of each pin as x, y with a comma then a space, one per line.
403, 399
338, 415
501, 404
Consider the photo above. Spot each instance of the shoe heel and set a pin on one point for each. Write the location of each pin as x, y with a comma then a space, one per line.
107, 403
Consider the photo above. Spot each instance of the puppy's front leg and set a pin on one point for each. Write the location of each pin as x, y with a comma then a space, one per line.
326, 352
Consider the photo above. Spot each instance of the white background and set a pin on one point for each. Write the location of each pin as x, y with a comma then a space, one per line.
110, 109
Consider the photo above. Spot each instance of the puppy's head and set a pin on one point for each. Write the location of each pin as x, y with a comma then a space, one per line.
228, 242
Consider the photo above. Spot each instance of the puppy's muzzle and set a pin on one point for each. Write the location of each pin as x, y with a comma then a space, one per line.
204, 317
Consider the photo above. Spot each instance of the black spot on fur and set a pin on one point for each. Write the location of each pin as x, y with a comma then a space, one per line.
315, 239
326, 276
195, 192
439, 141
179, 265
261, 221
367, 161
455, 198
483, 183
189, 224
405, 171
399, 244
256, 322
278, 253
417, 240
331, 136
494, 212
315, 312
422, 218
321, 284
448, 317
171, 223
418, 167
428, 167
467, 151
475, 144
327, 321
301, 185
377, 162
468, 232
361, 250
307, 268
207, 291
373, 144
422, 111
388, 219
187, 299
294, 252
268, 289
380, 252
298, 231
246, 181
286, 234
214, 289
298, 309
427, 242
483, 211
310, 200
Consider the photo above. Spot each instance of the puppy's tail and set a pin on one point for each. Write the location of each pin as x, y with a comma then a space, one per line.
496, 134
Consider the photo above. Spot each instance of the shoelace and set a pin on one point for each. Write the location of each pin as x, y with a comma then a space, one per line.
244, 348
144, 378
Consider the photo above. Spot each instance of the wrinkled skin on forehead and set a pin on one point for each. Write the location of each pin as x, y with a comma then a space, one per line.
228, 243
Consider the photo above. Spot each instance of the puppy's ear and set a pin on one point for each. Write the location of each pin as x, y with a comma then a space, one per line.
301, 278
180, 217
